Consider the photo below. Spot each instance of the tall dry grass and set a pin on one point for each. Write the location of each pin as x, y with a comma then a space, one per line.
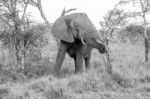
130, 78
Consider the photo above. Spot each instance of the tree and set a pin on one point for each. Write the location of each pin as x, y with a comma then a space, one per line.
9, 17
38, 4
19, 33
113, 20
144, 6
134, 32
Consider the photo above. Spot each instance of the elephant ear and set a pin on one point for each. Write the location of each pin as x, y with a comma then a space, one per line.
76, 25
83, 24
61, 31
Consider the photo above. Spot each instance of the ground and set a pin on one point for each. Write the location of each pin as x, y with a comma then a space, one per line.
130, 78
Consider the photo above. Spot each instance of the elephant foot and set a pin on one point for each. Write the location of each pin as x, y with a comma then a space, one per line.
78, 71
88, 68
56, 74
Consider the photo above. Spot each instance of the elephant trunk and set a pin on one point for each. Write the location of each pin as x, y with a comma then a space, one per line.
92, 41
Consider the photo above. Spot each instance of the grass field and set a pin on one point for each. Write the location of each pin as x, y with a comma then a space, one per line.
130, 78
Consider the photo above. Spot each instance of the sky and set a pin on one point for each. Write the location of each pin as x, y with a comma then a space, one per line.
95, 9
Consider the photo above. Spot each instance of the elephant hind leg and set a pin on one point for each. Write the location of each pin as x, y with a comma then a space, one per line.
59, 59
87, 63
79, 59
87, 56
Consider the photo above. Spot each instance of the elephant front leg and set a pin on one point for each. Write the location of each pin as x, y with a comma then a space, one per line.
79, 60
59, 59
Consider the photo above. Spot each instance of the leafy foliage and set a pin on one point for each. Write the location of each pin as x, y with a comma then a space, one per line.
22, 38
133, 32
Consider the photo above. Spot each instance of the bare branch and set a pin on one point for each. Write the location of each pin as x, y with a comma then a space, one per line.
26, 4
7, 6
39, 6
65, 12
5, 22
34, 3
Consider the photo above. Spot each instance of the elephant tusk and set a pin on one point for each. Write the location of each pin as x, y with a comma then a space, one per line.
99, 41
82, 41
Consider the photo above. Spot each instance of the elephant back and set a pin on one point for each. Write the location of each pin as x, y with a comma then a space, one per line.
72, 26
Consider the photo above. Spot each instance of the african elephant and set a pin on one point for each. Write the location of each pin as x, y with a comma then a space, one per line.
78, 36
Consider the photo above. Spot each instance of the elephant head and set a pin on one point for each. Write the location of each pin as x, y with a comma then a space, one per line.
72, 28
77, 26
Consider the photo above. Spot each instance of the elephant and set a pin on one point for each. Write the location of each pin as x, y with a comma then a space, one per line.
78, 36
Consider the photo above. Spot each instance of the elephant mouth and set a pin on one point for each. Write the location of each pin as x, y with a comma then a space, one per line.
102, 47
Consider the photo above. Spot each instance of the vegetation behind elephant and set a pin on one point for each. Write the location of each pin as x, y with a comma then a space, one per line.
78, 37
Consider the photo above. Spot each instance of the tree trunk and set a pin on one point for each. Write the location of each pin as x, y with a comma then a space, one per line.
145, 38
146, 49
23, 61
108, 64
39, 6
